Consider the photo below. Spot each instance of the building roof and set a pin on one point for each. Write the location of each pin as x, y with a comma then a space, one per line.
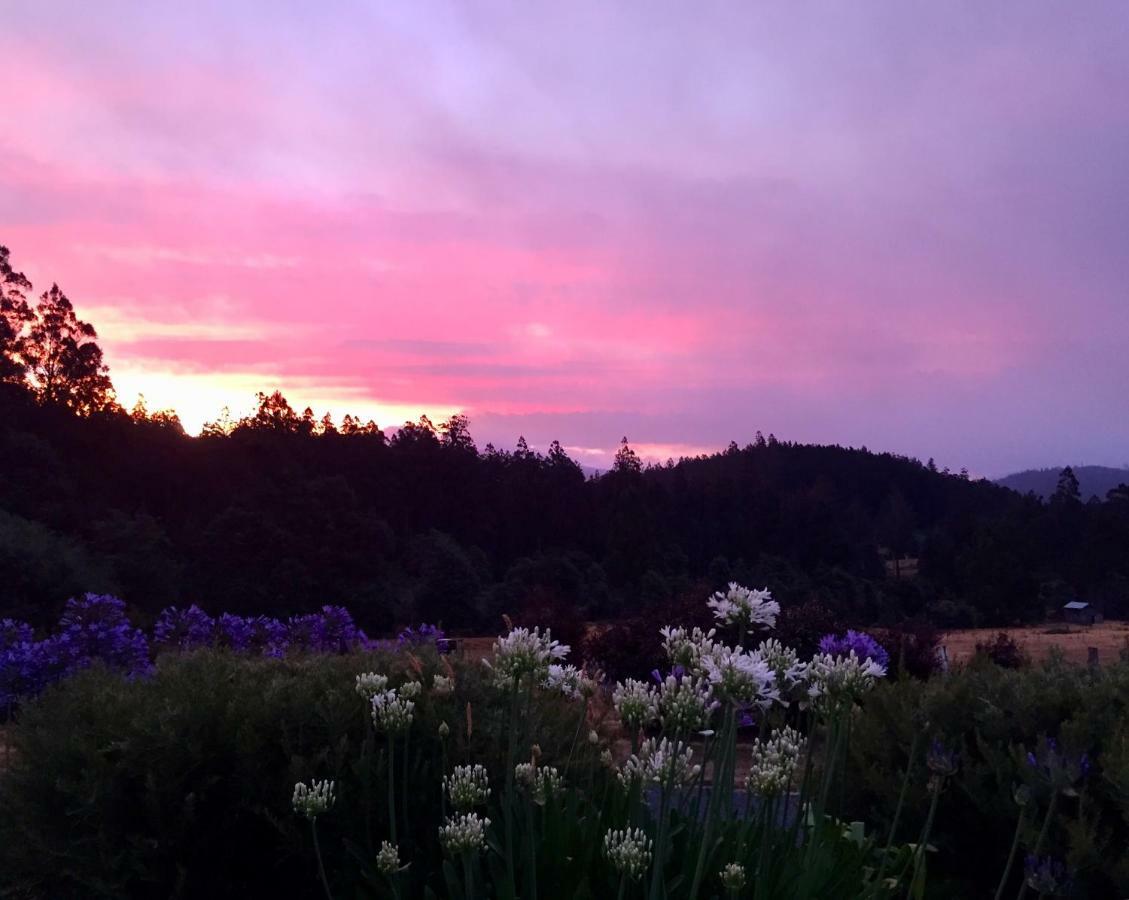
1075, 604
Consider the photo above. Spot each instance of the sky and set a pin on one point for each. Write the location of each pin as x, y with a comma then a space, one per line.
887, 224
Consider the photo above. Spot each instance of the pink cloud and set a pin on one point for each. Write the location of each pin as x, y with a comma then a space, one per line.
684, 227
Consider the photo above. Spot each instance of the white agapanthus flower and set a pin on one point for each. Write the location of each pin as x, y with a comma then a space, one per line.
411, 690
636, 702
467, 787
442, 686
789, 671
313, 800
524, 653
741, 606
836, 681
628, 850
371, 683
540, 782
773, 762
564, 679
388, 859
392, 713
464, 833
684, 703
740, 677
660, 762
686, 647
733, 876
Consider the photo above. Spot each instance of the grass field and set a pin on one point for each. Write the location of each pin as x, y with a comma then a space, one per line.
1111, 638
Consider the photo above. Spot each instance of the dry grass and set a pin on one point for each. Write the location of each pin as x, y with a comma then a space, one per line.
1110, 638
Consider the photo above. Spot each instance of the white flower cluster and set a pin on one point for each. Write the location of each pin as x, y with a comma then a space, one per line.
392, 713
542, 782
740, 677
371, 683
834, 681
564, 679
741, 606
790, 674
442, 686
411, 690
464, 833
660, 762
467, 787
636, 704
733, 876
774, 761
628, 850
311, 801
388, 859
687, 647
524, 653
684, 703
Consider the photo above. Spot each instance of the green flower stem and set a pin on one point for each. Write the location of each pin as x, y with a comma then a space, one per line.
576, 734
531, 836
659, 862
727, 737
391, 789
901, 804
1011, 854
1042, 837
321, 866
468, 877
404, 786
768, 820
511, 751
919, 850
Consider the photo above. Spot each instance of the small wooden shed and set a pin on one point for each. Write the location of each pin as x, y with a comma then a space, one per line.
1078, 612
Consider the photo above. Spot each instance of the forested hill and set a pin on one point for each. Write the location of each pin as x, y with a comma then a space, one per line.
280, 514
1093, 481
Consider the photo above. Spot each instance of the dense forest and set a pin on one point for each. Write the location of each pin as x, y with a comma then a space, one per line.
283, 511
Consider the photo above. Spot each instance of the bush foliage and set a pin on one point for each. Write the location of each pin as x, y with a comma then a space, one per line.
996, 716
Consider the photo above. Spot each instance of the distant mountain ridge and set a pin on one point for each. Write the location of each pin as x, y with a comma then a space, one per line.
1092, 480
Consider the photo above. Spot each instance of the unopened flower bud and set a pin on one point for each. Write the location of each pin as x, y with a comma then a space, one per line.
444, 730
593, 738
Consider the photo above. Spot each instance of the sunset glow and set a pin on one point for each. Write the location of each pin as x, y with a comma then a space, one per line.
863, 226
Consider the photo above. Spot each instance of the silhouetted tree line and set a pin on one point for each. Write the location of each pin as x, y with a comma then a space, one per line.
282, 512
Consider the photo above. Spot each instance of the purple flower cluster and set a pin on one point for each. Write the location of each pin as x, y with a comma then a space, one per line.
330, 631
424, 634
13, 632
185, 629
863, 645
1057, 768
96, 628
93, 628
1045, 875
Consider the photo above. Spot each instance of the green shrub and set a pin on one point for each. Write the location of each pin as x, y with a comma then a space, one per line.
178, 785
995, 716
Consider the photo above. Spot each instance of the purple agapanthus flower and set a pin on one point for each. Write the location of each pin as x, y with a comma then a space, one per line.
95, 627
1045, 875
186, 629
339, 633
14, 632
254, 634
863, 645
678, 673
424, 634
